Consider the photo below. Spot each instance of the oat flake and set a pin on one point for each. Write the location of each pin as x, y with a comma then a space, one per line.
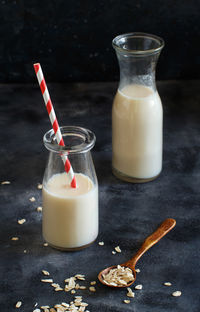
176, 293
21, 221
93, 283
127, 301
32, 199
138, 287
47, 280
130, 293
45, 272
58, 289
168, 284
117, 249
18, 304
15, 238
39, 186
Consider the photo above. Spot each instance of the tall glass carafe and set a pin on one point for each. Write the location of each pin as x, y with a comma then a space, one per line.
137, 114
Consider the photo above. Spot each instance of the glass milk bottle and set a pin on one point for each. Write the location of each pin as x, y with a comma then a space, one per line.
137, 115
70, 215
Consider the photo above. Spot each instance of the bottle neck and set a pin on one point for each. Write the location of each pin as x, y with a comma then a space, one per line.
137, 70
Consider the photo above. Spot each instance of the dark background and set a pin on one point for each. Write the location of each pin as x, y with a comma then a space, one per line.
72, 39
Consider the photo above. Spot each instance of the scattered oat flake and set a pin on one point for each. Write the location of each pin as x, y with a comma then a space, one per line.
114, 252
117, 249
15, 238
127, 301
58, 288
78, 300
137, 270
39, 209
176, 293
5, 182
73, 291
44, 307
79, 275
92, 289
81, 278
138, 287
93, 283
18, 304
37, 310
32, 199
47, 280
25, 251
45, 244
101, 243
77, 303
84, 304
21, 221
55, 285
130, 293
45, 272
168, 284
82, 287
77, 286
39, 186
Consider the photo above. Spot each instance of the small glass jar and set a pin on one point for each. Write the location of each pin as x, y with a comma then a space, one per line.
70, 215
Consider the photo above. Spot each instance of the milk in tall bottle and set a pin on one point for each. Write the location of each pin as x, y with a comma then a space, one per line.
137, 115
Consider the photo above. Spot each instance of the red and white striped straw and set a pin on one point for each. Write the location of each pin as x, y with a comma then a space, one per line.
54, 122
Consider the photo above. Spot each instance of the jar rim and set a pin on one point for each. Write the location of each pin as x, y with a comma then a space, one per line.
118, 43
87, 140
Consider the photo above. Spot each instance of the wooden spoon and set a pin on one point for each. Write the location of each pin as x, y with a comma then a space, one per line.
151, 240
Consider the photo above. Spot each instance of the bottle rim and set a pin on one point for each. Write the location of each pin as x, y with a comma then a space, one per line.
119, 43
80, 140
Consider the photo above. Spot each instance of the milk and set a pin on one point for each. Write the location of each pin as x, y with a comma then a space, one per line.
70, 215
137, 118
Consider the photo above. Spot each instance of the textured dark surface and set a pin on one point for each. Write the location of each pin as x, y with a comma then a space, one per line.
72, 39
128, 212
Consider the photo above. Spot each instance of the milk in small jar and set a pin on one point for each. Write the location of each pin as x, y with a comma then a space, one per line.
70, 215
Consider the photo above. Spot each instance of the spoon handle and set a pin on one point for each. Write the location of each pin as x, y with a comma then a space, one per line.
151, 240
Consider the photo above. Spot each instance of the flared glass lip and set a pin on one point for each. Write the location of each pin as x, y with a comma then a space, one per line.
138, 43
77, 140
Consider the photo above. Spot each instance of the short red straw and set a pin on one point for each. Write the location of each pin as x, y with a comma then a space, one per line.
54, 122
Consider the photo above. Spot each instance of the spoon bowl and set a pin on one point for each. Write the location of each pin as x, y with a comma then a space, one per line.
105, 271
151, 240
